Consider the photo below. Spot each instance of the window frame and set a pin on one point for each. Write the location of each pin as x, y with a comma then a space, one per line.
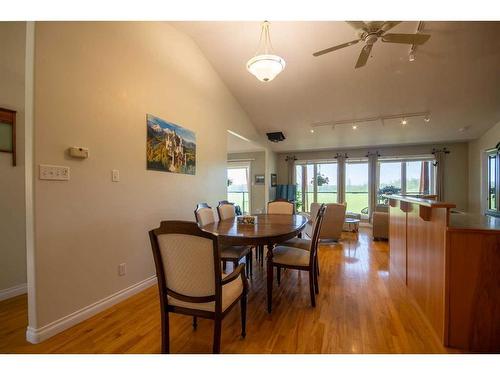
353, 161
404, 160
239, 164
496, 154
314, 163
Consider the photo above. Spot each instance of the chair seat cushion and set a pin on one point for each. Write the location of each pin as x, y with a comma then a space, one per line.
291, 256
234, 252
230, 292
301, 243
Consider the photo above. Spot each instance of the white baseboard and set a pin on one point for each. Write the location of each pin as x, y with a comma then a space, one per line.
13, 291
36, 335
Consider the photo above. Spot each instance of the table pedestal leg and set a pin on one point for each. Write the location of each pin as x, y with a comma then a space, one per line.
269, 277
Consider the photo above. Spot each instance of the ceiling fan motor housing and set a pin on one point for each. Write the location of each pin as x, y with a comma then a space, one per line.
370, 39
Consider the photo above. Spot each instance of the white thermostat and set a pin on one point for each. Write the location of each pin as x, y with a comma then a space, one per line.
79, 152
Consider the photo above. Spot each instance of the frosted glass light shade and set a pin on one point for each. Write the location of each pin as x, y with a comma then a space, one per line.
265, 67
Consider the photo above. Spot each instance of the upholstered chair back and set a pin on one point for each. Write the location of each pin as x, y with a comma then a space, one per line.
280, 207
188, 262
333, 221
204, 214
185, 258
226, 210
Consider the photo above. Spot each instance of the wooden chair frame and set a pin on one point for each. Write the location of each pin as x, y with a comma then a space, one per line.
191, 228
311, 267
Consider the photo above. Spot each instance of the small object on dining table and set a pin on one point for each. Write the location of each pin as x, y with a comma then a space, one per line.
246, 219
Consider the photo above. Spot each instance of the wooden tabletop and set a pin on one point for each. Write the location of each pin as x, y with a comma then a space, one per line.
268, 229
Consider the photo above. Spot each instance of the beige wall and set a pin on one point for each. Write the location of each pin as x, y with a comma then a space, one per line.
477, 168
456, 178
94, 84
12, 204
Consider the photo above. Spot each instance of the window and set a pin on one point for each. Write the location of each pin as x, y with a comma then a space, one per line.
316, 182
326, 181
356, 186
420, 177
493, 183
238, 185
389, 179
412, 175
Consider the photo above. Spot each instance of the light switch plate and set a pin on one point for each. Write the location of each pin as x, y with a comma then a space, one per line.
115, 175
122, 269
53, 172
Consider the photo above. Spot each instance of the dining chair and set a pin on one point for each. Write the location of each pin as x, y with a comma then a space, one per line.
298, 259
190, 279
226, 210
204, 215
280, 206
304, 243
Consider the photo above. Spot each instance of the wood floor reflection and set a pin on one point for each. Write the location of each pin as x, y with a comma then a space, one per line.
360, 309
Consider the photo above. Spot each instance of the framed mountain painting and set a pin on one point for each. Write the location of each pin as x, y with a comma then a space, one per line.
170, 147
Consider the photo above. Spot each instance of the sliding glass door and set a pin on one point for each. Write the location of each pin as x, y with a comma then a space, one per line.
356, 186
326, 182
316, 183
238, 186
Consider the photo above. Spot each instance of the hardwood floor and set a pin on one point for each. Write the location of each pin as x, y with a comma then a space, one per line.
360, 309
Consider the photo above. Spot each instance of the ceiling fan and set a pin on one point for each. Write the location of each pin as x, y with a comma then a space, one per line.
370, 32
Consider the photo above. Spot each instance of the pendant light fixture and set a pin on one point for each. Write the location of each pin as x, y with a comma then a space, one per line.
265, 65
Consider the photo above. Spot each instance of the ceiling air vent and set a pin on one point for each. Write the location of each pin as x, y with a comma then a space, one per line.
275, 137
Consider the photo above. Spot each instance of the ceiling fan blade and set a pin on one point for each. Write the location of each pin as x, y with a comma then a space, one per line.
386, 26
358, 25
331, 49
363, 56
406, 38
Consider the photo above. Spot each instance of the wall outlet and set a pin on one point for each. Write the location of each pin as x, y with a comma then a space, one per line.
53, 172
115, 175
122, 269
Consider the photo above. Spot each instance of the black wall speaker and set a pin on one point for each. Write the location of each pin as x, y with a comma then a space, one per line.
275, 137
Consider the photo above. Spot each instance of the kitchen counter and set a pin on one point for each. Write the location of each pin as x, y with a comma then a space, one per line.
476, 222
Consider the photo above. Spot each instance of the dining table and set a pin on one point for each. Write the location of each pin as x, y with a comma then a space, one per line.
268, 230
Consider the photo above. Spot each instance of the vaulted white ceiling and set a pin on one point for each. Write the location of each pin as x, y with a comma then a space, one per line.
455, 76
